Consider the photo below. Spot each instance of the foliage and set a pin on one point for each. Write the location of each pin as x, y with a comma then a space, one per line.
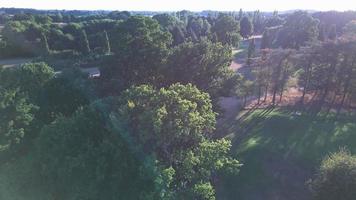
82, 157
336, 178
16, 114
65, 93
204, 191
169, 120
29, 78
140, 48
175, 125
246, 27
350, 28
226, 29
299, 29
203, 64
20, 90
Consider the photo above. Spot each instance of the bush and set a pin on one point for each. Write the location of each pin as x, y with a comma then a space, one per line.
336, 178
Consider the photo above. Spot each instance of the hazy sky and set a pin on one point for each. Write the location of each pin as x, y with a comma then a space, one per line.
194, 5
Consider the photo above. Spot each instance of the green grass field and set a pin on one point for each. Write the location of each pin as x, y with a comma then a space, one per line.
281, 150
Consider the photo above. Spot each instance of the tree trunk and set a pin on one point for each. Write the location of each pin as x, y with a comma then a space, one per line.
281, 95
274, 95
259, 95
244, 104
266, 93
307, 81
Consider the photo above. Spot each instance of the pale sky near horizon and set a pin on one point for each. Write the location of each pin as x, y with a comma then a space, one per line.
174, 5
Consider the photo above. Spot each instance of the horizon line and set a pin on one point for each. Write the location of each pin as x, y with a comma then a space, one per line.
286, 10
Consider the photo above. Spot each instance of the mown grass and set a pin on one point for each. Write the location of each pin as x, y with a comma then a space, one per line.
281, 150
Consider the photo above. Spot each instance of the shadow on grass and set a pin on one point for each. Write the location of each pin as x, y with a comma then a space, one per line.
280, 151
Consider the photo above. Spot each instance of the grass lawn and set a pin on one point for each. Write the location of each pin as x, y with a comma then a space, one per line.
280, 152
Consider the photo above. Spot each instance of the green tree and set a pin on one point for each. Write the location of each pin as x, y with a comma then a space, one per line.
250, 51
175, 26
64, 94
107, 43
241, 14
332, 32
336, 178
265, 43
29, 78
20, 99
16, 114
84, 43
198, 28
86, 157
226, 29
203, 64
140, 48
299, 29
244, 90
350, 28
175, 125
246, 27
169, 120
45, 45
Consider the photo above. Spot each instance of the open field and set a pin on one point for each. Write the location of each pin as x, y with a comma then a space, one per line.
281, 151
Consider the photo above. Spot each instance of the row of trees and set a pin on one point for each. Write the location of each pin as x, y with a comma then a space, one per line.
29, 34
324, 69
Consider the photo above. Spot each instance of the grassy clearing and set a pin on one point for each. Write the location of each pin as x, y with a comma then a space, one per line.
281, 150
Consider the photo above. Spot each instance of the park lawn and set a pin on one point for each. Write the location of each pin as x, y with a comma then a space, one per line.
281, 150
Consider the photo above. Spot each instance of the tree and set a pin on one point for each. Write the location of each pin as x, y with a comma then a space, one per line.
64, 94
84, 43
175, 26
20, 94
226, 29
299, 29
332, 33
241, 14
71, 149
140, 48
163, 121
244, 90
29, 78
280, 72
322, 32
328, 70
175, 124
107, 43
119, 15
262, 74
198, 28
45, 44
166, 21
246, 28
274, 21
258, 22
350, 28
336, 178
16, 114
203, 64
250, 51
265, 43
13, 34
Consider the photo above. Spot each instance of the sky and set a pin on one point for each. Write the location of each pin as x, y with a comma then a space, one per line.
174, 5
